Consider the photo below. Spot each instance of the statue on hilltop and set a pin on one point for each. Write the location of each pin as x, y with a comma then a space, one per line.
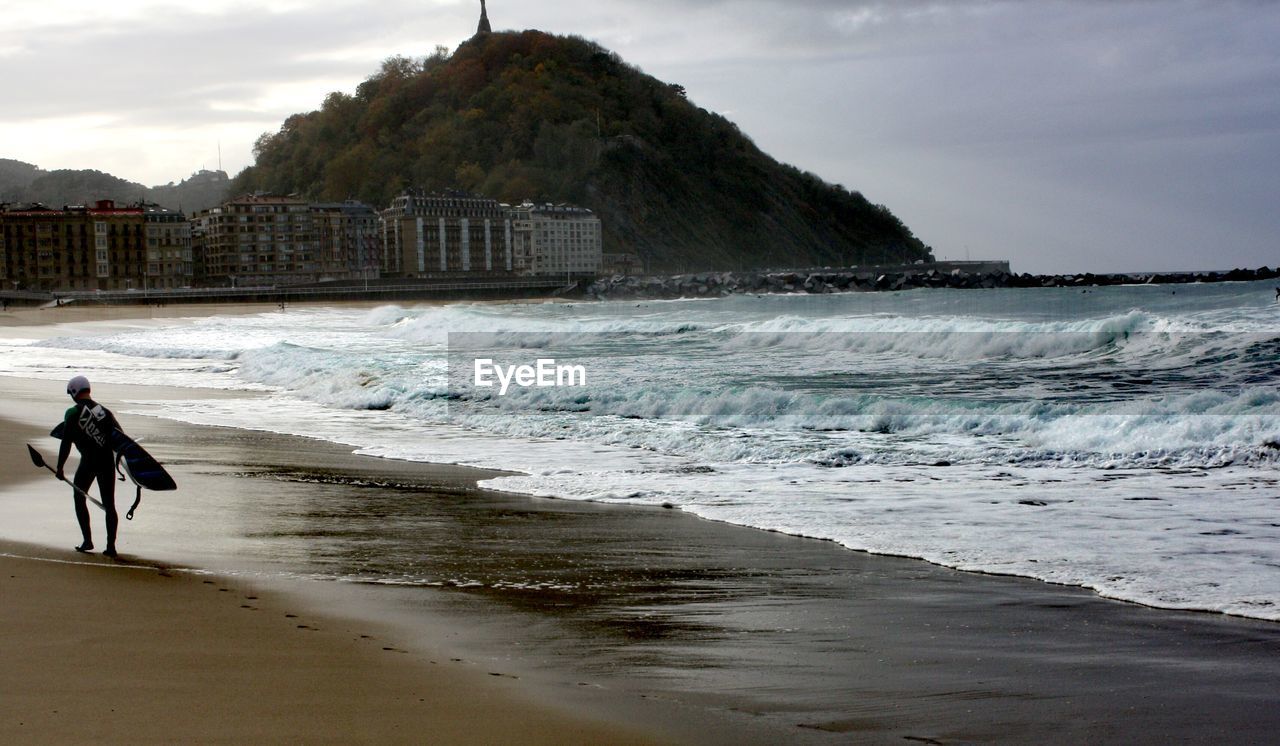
484, 27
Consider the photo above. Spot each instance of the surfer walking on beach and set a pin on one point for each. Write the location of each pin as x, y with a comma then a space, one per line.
89, 425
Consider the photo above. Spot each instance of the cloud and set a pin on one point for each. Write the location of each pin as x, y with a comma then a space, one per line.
164, 60
1043, 130
124, 79
1128, 135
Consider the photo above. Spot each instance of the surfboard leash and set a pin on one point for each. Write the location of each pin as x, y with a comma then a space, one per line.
138, 499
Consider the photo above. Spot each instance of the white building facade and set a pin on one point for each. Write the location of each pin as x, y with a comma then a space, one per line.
436, 235
557, 240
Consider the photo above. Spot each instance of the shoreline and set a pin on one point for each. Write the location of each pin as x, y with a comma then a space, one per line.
179, 653
731, 627
705, 631
36, 317
454, 476
425, 636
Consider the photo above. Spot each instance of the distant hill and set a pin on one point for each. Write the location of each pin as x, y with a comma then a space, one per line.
23, 182
532, 115
15, 177
70, 187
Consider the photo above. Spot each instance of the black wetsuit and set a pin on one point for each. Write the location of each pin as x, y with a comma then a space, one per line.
89, 425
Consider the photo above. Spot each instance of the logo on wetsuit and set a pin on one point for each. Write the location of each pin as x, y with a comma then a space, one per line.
89, 419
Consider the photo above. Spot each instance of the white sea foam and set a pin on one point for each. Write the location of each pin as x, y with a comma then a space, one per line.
1116, 440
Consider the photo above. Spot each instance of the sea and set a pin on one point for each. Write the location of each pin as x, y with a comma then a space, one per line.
1120, 439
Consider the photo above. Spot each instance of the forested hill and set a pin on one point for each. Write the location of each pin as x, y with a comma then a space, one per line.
25, 183
554, 119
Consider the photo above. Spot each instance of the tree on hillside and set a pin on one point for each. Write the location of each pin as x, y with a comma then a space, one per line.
531, 115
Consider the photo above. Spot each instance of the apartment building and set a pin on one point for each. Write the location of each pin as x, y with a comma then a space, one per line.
557, 240
265, 239
74, 248
430, 235
169, 258
350, 239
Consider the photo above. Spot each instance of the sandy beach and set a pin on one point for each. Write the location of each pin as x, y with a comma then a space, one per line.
138, 651
23, 316
628, 623
127, 653
72, 313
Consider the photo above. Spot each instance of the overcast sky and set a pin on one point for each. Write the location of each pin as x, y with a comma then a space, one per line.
1094, 135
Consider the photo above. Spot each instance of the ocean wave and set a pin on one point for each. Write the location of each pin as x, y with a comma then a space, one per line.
981, 431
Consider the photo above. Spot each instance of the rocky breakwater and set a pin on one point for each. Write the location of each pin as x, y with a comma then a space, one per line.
718, 284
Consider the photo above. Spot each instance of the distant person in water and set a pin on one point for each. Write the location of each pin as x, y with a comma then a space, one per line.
1277, 293
89, 425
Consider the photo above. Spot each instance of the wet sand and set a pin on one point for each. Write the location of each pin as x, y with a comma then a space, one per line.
717, 633
32, 316
141, 651
103, 652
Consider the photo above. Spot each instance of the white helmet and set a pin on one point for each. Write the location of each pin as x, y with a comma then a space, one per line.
77, 385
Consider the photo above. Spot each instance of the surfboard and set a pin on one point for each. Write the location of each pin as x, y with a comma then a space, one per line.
142, 467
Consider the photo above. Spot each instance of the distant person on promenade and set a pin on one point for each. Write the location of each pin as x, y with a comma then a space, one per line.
89, 425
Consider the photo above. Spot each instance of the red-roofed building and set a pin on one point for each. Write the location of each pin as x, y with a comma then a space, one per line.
98, 247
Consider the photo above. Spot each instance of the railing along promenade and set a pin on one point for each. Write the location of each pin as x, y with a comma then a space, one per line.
319, 292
